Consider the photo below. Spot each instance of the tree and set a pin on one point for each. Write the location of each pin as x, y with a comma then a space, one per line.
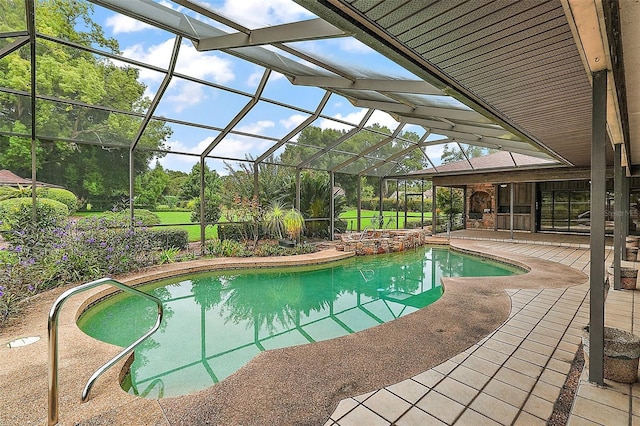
450, 201
191, 186
355, 144
150, 186
212, 193
274, 182
65, 72
450, 155
315, 196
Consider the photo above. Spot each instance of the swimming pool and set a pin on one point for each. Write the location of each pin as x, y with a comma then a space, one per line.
217, 322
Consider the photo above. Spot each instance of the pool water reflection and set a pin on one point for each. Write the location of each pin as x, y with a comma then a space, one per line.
216, 322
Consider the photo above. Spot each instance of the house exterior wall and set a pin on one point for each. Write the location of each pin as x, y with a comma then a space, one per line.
481, 206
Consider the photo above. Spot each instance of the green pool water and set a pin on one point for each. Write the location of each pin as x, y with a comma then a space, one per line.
216, 322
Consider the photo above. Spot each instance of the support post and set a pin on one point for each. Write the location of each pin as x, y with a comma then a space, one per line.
381, 209
332, 206
434, 210
619, 238
203, 224
359, 203
511, 185
298, 171
132, 180
598, 200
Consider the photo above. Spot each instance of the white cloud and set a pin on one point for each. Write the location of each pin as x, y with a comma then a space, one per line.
258, 13
352, 45
378, 117
254, 78
205, 66
293, 120
185, 94
190, 61
120, 24
257, 127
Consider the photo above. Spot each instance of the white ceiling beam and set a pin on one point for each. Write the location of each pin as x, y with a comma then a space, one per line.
312, 29
448, 113
380, 85
439, 126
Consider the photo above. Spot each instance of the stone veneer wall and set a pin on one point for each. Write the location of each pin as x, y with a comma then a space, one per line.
384, 241
488, 219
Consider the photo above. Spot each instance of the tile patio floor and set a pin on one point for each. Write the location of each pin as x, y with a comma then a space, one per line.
514, 375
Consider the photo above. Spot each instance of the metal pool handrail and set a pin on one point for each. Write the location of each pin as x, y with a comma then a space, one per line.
53, 340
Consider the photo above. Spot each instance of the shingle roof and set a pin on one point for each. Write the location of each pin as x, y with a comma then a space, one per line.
496, 160
8, 178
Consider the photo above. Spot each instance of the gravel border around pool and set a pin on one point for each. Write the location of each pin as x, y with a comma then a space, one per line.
299, 385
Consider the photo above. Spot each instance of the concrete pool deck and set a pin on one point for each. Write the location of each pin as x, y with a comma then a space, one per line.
492, 350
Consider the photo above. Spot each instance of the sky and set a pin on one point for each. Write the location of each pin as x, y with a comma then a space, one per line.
185, 100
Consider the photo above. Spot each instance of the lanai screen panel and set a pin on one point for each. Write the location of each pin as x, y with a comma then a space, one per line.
205, 57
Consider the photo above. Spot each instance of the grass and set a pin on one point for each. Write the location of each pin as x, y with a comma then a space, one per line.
181, 218
366, 218
176, 218
167, 218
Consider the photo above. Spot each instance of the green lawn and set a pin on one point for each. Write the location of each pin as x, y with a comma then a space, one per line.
169, 218
366, 216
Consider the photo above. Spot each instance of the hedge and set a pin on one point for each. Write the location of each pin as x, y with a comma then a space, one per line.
169, 238
68, 198
16, 213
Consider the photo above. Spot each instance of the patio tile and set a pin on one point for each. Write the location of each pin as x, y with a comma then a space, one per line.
502, 347
445, 367
409, 390
363, 397
605, 396
469, 377
507, 338
343, 408
441, 407
516, 379
492, 355
470, 417
598, 413
526, 419
505, 392
538, 407
480, 365
538, 347
530, 356
455, 390
542, 338
546, 391
429, 378
362, 416
494, 408
553, 377
417, 417
561, 367
524, 367
387, 405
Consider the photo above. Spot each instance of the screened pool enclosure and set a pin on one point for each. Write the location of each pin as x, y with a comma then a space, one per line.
223, 87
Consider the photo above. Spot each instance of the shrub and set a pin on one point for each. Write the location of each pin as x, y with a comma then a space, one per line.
273, 249
169, 238
17, 221
67, 198
171, 201
121, 219
163, 208
212, 210
238, 231
41, 258
226, 248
